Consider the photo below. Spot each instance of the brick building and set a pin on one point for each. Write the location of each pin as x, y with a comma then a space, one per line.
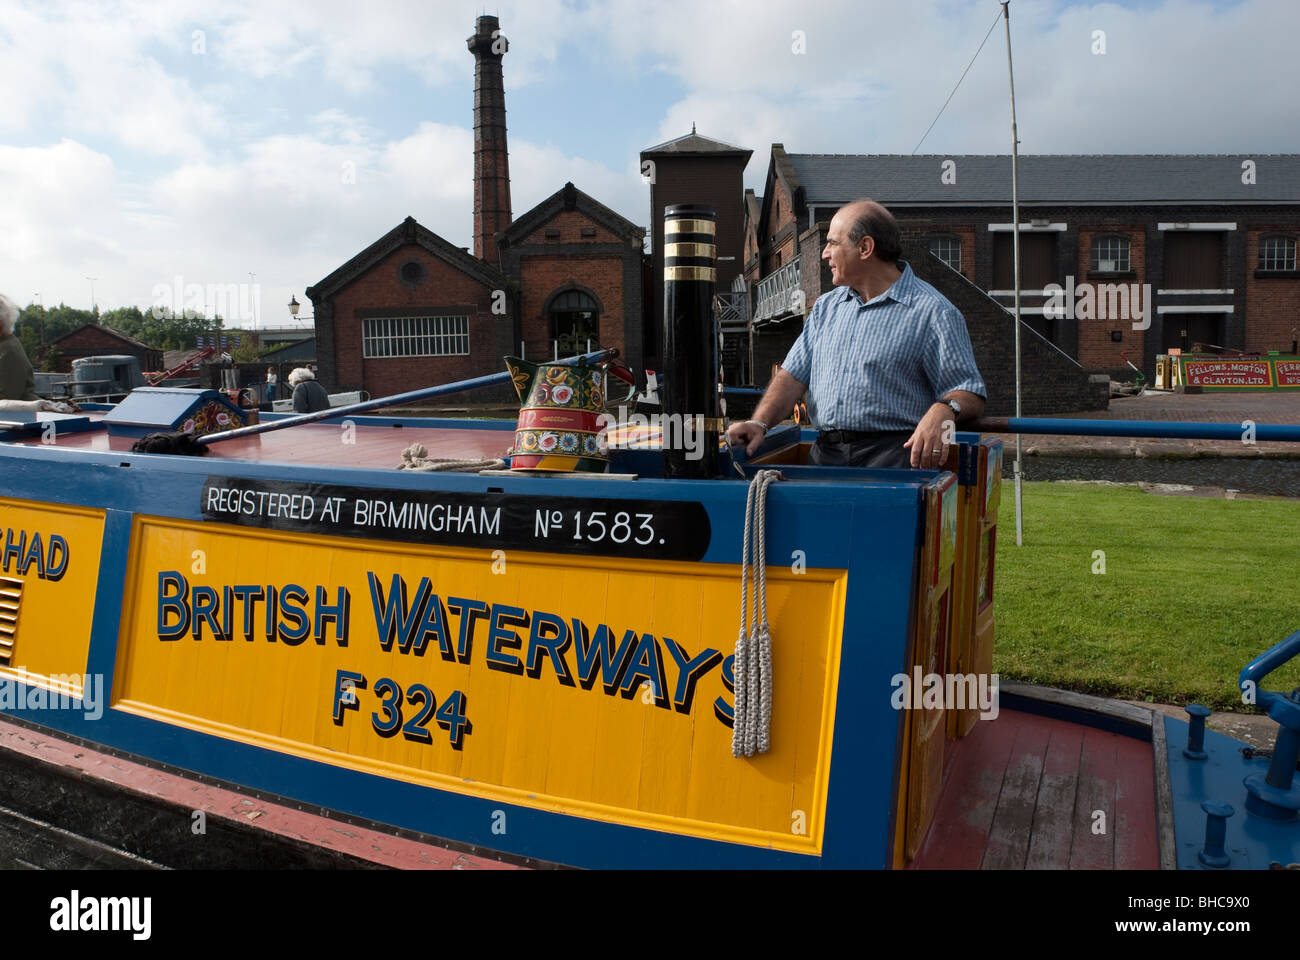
94, 340
413, 310
694, 169
1212, 238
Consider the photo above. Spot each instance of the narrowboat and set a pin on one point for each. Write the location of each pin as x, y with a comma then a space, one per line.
683, 658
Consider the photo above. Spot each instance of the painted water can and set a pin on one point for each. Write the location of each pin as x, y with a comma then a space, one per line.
560, 410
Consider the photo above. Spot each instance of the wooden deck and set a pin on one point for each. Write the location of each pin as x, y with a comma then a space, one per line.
1021, 793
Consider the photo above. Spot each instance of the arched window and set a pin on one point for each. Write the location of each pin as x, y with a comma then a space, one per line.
1277, 253
1110, 253
574, 317
947, 249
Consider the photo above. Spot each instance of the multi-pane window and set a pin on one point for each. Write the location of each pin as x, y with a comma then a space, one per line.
1110, 254
1277, 253
414, 336
947, 249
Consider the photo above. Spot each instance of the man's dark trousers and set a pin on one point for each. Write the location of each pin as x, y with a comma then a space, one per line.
879, 449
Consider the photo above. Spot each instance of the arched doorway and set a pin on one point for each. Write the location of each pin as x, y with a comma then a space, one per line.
574, 320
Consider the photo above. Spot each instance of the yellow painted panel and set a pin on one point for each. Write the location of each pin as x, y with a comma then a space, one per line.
49, 567
649, 751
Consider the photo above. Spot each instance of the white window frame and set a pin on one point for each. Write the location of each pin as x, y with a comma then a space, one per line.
433, 335
948, 238
1125, 244
1284, 240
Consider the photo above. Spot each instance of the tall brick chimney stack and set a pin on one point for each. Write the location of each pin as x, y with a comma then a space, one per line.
491, 159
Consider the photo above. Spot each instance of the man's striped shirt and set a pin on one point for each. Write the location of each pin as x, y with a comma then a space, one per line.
882, 363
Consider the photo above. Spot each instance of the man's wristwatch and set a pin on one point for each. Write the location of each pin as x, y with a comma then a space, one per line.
952, 405
759, 423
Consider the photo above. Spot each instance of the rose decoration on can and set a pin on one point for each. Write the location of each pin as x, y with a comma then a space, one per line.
562, 394
548, 442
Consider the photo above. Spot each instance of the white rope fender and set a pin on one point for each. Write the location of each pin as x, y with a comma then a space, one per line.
416, 457
752, 667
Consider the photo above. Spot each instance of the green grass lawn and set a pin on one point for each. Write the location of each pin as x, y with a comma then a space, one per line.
1193, 589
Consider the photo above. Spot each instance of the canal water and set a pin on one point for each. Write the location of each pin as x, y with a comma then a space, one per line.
1268, 476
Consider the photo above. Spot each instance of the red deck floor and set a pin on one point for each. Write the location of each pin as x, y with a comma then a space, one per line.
327, 444
1022, 792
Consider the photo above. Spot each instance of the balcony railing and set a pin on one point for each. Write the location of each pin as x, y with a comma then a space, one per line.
779, 294
732, 310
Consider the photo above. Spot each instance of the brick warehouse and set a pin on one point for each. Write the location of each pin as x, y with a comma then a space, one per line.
413, 309
1214, 236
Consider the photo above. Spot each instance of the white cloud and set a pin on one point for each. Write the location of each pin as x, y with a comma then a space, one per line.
137, 158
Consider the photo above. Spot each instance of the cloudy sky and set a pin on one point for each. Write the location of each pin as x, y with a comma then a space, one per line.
142, 142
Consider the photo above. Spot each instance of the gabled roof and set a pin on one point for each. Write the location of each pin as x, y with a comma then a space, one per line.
405, 233
753, 206
780, 167
570, 197
1049, 178
110, 331
693, 143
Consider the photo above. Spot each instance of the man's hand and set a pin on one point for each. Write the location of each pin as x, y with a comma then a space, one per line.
929, 443
746, 433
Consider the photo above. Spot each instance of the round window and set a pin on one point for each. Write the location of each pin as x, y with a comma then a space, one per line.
411, 273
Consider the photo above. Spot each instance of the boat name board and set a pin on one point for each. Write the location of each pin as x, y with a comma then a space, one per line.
644, 529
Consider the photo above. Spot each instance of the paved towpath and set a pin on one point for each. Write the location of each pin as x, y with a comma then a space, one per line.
1180, 407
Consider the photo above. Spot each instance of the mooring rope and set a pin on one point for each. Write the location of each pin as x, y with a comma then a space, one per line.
416, 457
752, 669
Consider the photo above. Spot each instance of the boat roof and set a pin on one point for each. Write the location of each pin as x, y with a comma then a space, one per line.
370, 443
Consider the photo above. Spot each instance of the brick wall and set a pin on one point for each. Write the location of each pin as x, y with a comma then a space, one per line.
715, 181
1051, 382
541, 276
1272, 303
99, 341
380, 292
1096, 350
814, 273
570, 224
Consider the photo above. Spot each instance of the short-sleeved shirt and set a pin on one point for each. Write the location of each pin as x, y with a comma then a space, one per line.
881, 364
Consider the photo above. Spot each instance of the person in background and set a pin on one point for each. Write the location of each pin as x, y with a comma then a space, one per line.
271, 381
308, 395
17, 379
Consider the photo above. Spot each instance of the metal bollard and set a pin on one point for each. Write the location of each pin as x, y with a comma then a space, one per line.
1195, 749
1216, 830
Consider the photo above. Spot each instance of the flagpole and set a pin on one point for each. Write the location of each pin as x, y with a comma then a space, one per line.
1015, 254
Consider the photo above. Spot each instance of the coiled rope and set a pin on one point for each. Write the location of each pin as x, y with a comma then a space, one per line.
416, 457
752, 669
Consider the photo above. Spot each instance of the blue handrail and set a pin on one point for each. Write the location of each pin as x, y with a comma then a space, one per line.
1138, 428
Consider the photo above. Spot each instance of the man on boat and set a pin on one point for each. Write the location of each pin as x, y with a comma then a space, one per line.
885, 358
308, 395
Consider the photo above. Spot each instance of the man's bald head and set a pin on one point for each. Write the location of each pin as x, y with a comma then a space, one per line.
869, 219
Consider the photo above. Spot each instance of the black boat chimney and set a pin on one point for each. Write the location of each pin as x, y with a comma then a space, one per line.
690, 344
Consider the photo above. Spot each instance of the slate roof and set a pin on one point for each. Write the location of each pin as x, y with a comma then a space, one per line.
1049, 179
694, 143
108, 330
406, 232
